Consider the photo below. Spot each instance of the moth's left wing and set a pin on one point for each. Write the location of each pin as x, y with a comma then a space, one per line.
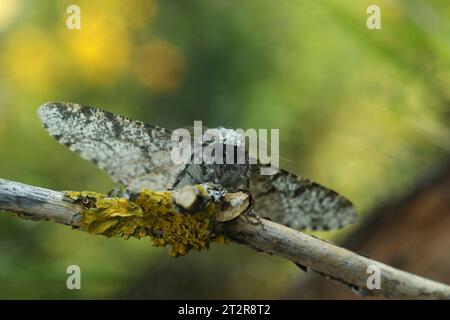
132, 152
299, 203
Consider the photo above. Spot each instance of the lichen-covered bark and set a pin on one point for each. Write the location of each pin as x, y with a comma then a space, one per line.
151, 214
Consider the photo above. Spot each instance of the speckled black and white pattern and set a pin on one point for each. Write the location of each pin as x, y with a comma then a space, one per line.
139, 156
299, 203
133, 153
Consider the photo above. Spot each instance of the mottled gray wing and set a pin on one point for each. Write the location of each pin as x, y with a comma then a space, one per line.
299, 203
133, 153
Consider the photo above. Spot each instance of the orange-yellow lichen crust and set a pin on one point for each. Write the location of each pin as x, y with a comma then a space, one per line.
150, 213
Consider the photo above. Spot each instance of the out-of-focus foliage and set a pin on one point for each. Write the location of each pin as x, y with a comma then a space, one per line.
364, 112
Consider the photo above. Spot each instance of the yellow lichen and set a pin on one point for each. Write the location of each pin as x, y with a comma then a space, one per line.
149, 213
75, 195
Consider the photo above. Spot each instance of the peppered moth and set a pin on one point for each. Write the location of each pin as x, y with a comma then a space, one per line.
139, 156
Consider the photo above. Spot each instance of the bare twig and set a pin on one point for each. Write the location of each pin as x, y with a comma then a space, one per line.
323, 257
332, 261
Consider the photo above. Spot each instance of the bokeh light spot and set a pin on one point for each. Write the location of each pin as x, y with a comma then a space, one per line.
159, 66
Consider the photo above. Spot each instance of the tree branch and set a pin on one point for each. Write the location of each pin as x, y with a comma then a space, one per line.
323, 257
332, 261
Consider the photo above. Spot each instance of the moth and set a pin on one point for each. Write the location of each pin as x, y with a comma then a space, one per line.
138, 155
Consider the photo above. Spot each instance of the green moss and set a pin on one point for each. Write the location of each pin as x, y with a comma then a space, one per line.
149, 213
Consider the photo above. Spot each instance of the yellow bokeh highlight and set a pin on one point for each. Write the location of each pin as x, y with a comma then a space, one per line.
159, 65
29, 59
100, 49
8, 11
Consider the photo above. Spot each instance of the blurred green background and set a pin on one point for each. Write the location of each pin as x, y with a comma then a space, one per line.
362, 111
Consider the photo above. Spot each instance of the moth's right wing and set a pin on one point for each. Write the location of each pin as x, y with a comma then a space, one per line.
299, 203
132, 152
